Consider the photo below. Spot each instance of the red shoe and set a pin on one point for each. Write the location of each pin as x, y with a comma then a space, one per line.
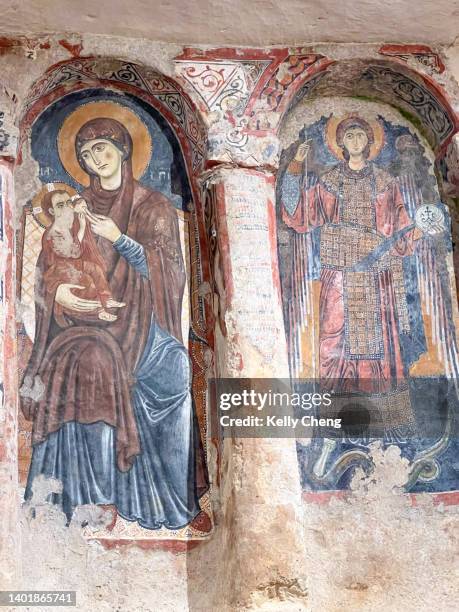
202, 523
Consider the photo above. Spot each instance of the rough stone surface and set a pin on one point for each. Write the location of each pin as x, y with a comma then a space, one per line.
377, 550
259, 23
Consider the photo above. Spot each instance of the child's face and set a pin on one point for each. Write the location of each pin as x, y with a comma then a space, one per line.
62, 208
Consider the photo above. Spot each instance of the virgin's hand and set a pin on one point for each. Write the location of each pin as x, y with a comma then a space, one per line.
67, 299
103, 226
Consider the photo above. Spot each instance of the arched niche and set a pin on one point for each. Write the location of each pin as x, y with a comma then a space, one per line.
393, 82
332, 262
416, 95
170, 139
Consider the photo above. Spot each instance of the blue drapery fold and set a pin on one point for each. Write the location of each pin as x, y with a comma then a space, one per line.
133, 252
160, 488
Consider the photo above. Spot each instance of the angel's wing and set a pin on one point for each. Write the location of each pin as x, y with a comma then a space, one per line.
433, 252
299, 265
432, 257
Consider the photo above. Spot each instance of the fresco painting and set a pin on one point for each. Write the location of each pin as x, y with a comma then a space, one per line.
365, 261
106, 391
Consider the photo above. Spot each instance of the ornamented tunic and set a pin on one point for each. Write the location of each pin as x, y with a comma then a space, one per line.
363, 307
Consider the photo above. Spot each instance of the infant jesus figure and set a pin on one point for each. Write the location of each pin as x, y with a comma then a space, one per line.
71, 255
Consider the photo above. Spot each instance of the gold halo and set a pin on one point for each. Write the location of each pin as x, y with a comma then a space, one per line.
40, 216
330, 131
142, 145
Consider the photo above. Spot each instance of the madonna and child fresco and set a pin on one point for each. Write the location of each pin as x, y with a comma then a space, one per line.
365, 259
107, 385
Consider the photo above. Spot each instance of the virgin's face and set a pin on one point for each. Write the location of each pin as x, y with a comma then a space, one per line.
101, 157
355, 140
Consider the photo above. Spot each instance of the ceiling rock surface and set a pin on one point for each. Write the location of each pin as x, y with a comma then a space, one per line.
235, 22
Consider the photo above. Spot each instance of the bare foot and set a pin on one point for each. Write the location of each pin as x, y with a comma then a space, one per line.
110, 508
113, 304
106, 316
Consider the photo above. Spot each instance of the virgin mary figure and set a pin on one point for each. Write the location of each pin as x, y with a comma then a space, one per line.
361, 233
112, 410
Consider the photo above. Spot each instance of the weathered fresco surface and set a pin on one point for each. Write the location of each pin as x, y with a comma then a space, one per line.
365, 258
279, 537
106, 393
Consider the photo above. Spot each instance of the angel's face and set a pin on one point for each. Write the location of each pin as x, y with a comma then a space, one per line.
355, 141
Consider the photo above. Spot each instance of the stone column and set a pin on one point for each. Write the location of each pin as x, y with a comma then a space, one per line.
261, 489
10, 549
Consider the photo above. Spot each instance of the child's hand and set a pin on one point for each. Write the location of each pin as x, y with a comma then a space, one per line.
82, 228
80, 206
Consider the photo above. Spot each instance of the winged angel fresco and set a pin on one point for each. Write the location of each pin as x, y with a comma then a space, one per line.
364, 250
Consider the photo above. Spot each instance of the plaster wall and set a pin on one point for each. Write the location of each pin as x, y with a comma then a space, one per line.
260, 23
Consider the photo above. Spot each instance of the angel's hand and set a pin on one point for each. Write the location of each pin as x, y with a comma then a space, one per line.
302, 152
